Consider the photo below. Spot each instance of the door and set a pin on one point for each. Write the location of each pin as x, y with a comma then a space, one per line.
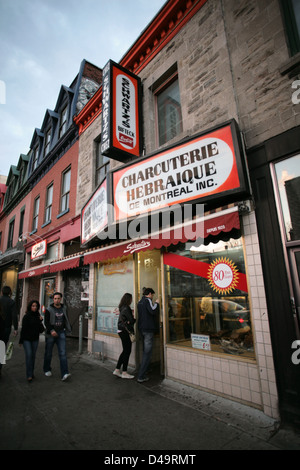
148, 274
74, 299
295, 269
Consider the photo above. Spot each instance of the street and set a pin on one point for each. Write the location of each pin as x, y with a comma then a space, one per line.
95, 410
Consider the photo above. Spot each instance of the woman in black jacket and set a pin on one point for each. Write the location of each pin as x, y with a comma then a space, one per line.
125, 322
32, 326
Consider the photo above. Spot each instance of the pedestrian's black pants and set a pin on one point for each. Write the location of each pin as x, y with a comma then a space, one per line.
124, 356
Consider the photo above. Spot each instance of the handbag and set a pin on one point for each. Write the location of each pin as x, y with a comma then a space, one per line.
131, 335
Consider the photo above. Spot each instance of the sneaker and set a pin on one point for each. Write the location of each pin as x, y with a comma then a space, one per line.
48, 374
143, 380
117, 373
65, 377
125, 375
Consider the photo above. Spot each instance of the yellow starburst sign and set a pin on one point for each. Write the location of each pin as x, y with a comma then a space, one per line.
223, 275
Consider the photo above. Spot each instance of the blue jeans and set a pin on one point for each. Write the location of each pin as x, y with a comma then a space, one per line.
30, 348
60, 341
147, 352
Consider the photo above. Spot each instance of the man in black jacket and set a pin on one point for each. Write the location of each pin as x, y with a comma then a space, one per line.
9, 314
147, 312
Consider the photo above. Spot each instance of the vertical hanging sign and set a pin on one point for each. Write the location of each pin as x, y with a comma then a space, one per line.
121, 136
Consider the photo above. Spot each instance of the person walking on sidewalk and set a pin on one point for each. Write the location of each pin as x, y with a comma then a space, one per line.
9, 314
125, 324
57, 325
147, 313
32, 326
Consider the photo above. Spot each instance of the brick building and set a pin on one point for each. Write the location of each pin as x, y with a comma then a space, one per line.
203, 64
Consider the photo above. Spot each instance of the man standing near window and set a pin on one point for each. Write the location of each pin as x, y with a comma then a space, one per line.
57, 325
147, 312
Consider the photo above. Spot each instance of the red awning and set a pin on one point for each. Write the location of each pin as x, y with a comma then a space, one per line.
38, 271
212, 224
64, 264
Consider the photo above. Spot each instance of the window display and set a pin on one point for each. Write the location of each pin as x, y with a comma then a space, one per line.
207, 293
113, 280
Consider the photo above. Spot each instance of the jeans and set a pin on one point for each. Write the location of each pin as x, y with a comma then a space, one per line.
124, 356
148, 337
30, 348
60, 341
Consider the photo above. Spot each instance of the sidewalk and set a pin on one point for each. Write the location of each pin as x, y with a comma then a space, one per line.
95, 410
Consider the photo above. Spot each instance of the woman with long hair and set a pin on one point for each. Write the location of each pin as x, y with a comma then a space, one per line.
32, 326
125, 324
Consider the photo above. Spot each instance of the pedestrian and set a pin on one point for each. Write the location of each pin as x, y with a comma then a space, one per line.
57, 326
147, 315
9, 315
32, 326
125, 325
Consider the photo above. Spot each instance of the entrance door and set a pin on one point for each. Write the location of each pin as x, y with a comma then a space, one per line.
148, 274
73, 298
48, 289
295, 267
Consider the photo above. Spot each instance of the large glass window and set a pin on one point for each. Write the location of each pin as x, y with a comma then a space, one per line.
169, 119
118, 274
209, 310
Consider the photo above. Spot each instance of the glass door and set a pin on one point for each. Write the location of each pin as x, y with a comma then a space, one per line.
148, 274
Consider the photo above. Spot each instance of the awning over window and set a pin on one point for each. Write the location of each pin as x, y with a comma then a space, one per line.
212, 224
38, 271
64, 264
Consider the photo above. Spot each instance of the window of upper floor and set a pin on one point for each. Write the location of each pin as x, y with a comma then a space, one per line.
102, 164
21, 224
11, 229
48, 204
291, 14
168, 109
47, 142
65, 190
63, 122
36, 208
35, 156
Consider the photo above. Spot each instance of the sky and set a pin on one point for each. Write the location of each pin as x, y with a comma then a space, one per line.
42, 44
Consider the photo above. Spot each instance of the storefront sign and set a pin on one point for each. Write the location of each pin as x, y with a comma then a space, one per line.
200, 342
206, 167
40, 249
223, 275
94, 215
121, 113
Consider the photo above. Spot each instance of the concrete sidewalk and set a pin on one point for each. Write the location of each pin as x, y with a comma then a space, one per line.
95, 410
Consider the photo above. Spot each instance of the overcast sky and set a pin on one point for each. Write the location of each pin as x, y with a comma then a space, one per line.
42, 44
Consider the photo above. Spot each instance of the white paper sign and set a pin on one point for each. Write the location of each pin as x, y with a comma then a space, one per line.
200, 342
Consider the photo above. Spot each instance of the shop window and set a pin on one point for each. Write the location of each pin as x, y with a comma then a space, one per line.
210, 310
291, 14
168, 110
102, 164
36, 209
65, 190
120, 276
48, 206
52, 252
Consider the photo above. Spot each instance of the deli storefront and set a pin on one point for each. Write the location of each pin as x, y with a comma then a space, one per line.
182, 222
